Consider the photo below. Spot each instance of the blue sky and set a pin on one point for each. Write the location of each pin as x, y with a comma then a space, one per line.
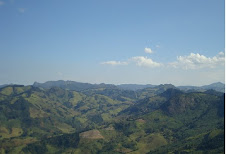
112, 41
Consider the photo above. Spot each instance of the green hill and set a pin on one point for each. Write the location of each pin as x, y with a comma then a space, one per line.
160, 119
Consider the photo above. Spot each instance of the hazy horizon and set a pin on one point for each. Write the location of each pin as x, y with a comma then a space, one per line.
113, 42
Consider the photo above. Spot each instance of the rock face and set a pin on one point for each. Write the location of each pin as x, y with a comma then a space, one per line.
91, 134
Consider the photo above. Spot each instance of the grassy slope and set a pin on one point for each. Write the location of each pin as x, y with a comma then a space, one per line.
29, 111
52, 120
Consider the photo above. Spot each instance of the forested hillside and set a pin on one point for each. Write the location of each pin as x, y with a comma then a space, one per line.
108, 119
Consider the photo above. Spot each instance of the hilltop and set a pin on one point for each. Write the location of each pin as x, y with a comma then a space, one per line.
104, 118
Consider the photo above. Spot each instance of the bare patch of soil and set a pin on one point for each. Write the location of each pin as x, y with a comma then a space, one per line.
91, 134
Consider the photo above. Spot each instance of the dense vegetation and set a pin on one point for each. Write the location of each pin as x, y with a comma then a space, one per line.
86, 118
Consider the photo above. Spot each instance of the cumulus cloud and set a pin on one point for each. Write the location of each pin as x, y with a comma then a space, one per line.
192, 61
197, 61
144, 61
1, 3
139, 61
114, 63
148, 50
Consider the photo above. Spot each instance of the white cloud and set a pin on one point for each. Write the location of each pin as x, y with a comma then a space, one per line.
197, 61
192, 61
148, 50
144, 61
1, 3
114, 63
138, 60
21, 10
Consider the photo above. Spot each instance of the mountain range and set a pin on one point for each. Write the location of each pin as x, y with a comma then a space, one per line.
79, 86
72, 117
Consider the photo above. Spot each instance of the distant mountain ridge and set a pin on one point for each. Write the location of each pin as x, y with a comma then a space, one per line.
79, 86
218, 86
72, 85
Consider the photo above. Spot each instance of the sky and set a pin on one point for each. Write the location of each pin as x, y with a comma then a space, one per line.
181, 42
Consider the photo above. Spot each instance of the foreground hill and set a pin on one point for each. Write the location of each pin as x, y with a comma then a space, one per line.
159, 119
34, 113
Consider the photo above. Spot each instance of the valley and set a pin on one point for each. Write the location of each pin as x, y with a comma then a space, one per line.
72, 117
